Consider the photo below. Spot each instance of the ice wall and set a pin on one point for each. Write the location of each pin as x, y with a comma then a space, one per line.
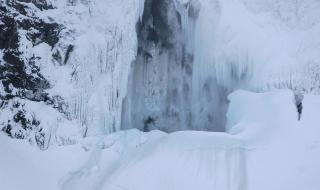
104, 45
172, 83
160, 79
193, 53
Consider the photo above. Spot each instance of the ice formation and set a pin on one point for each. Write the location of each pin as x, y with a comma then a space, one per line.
165, 64
74, 56
181, 78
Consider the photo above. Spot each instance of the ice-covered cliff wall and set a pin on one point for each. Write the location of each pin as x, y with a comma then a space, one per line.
105, 45
193, 53
64, 66
160, 81
99, 66
168, 89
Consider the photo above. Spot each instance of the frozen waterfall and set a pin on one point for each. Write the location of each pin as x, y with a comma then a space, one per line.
172, 85
105, 46
170, 64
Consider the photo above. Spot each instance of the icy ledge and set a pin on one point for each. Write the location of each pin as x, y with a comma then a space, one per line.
266, 147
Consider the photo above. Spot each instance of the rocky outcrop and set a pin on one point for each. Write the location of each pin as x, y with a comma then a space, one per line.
20, 75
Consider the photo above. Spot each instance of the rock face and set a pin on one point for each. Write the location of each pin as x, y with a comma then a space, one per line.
64, 67
20, 75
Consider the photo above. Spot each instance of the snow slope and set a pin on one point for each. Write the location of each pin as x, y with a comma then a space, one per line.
284, 152
266, 147
26, 167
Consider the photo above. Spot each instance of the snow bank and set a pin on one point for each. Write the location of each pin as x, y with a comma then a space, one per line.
283, 151
266, 147
257, 116
26, 167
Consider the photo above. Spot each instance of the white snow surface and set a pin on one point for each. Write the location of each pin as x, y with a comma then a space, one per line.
266, 147
26, 167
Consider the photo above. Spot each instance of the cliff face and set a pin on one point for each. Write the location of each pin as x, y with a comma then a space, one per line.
70, 69
64, 67
21, 79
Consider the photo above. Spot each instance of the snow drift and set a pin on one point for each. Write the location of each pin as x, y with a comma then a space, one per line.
271, 150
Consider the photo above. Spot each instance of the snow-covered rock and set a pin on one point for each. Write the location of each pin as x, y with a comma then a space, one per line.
72, 56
